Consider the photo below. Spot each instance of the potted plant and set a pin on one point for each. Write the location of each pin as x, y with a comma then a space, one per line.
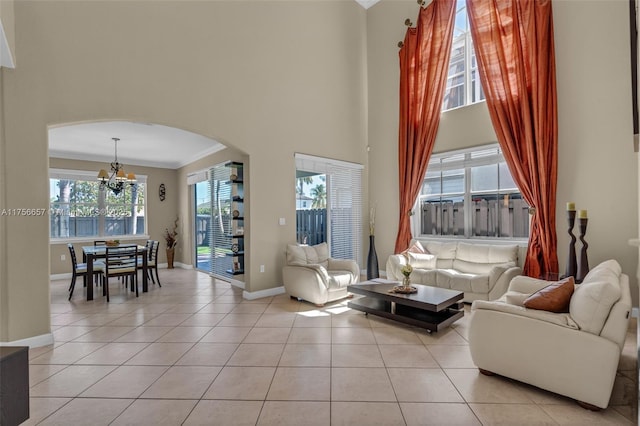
171, 238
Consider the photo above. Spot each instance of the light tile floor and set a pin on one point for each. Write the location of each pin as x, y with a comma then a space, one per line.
194, 352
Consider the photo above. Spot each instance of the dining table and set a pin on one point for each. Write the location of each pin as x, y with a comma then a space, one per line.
91, 253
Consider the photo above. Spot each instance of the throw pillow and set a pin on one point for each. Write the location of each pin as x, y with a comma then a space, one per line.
515, 298
422, 260
555, 297
416, 247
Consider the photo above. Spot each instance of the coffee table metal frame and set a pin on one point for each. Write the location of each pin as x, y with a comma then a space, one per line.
431, 308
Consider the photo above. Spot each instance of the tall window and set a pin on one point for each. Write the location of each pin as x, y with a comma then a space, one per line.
469, 194
463, 80
336, 192
79, 208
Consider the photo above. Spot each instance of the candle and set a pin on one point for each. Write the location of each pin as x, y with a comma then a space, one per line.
582, 214
571, 206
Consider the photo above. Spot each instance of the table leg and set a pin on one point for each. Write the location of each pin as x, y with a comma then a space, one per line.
89, 276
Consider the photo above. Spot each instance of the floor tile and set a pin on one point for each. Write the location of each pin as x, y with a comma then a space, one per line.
239, 320
68, 333
366, 413
395, 336
125, 382
478, 388
155, 412
407, 356
242, 383
306, 320
306, 355
71, 381
67, 353
576, 415
210, 354
300, 384
310, 335
438, 414
145, 334
268, 335
423, 385
40, 408
167, 320
237, 413
356, 356
257, 355
103, 334
452, 356
182, 382
160, 354
185, 334
226, 335
203, 320
361, 384
295, 413
353, 335
504, 414
113, 354
276, 320
88, 411
39, 372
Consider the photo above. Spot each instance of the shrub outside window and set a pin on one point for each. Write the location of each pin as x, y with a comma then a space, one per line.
471, 194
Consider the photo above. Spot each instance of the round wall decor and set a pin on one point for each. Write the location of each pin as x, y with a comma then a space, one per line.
162, 192
234, 248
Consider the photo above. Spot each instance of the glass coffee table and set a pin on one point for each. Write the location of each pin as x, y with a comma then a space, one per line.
432, 308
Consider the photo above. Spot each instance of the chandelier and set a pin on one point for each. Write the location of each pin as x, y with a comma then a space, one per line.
116, 182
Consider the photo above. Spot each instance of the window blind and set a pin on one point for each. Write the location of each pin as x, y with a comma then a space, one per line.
220, 243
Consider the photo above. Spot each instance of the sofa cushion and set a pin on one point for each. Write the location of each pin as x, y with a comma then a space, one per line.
339, 279
608, 270
480, 258
591, 303
305, 255
456, 280
446, 252
422, 260
514, 298
553, 298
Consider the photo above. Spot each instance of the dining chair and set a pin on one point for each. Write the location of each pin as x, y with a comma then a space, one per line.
152, 260
121, 261
80, 269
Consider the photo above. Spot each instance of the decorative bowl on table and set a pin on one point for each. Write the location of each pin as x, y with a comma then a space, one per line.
112, 243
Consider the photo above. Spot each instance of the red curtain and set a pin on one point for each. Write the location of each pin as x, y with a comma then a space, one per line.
514, 47
424, 60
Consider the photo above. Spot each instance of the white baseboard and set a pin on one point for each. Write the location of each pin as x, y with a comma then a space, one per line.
32, 342
275, 291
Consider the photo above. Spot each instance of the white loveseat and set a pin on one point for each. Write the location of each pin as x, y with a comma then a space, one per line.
481, 271
575, 354
310, 274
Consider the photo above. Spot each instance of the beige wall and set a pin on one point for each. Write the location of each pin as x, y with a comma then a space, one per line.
268, 78
160, 214
597, 165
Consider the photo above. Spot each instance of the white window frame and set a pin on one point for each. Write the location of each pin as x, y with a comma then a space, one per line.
467, 163
86, 175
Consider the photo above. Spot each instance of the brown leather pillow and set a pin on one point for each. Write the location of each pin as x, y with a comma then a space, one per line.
553, 298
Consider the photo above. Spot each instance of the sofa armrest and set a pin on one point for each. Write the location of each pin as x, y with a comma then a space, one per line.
527, 285
395, 262
345, 265
499, 279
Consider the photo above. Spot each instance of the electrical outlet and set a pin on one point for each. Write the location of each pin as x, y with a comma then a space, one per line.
261, 268
282, 221
63, 257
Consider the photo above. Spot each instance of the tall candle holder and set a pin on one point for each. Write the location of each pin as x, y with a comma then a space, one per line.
583, 267
572, 264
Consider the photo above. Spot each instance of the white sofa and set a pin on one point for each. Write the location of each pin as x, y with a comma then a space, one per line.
310, 274
575, 354
481, 271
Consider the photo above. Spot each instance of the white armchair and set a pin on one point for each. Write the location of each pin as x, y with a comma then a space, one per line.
310, 274
575, 354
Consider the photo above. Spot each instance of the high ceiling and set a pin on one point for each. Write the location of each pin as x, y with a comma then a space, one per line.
140, 144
